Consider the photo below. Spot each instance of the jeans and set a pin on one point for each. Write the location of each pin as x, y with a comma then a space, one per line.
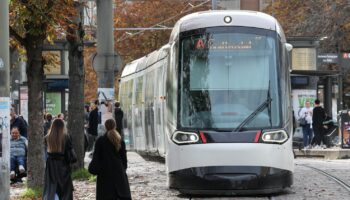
307, 135
17, 161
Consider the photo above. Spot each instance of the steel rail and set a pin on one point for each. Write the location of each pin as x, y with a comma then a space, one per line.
334, 178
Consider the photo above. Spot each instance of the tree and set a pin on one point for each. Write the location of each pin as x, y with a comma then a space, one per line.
156, 13
75, 35
328, 19
316, 18
31, 23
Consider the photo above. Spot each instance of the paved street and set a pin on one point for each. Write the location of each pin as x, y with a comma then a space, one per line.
148, 181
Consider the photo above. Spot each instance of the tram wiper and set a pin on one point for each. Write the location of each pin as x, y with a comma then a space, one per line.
259, 109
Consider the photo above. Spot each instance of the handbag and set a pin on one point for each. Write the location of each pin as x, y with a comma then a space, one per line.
72, 156
302, 121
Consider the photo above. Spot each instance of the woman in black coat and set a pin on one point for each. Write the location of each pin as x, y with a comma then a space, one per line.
109, 163
58, 171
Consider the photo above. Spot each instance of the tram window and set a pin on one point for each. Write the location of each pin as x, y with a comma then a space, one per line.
224, 80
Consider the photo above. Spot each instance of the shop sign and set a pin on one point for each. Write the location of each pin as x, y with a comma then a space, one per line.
327, 58
346, 55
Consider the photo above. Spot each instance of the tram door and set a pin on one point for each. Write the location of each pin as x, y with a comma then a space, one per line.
149, 112
161, 110
138, 114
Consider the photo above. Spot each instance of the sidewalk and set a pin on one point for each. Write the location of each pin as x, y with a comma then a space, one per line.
147, 181
328, 154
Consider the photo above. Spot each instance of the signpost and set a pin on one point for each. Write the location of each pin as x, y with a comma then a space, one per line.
4, 102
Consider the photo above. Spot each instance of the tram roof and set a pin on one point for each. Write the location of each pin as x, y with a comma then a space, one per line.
214, 18
145, 61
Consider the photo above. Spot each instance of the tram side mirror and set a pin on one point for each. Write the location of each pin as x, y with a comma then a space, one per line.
289, 47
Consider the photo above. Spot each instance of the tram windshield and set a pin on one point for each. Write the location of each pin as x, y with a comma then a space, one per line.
225, 74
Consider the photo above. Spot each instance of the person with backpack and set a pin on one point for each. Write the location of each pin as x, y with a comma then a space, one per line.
305, 120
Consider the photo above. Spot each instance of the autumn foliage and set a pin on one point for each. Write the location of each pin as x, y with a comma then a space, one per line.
131, 45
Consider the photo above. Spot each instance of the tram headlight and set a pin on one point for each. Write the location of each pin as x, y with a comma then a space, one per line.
180, 137
278, 136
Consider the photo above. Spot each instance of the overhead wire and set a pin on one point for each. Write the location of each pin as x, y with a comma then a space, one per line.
166, 20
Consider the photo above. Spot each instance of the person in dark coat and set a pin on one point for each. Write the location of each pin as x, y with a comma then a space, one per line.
109, 163
19, 122
58, 171
118, 115
47, 123
93, 121
318, 117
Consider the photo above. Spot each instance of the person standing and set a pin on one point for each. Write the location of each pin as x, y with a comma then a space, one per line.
318, 118
109, 163
306, 113
47, 123
58, 171
118, 115
93, 122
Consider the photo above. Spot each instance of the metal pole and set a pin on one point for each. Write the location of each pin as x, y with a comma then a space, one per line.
213, 5
328, 95
104, 62
4, 102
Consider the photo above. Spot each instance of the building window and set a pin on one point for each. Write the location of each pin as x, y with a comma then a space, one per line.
52, 61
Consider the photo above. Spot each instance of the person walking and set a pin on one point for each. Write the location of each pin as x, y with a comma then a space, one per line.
118, 115
60, 155
109, 163
306, 114
318, 118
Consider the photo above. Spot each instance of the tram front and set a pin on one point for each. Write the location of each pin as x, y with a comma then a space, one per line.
233, 112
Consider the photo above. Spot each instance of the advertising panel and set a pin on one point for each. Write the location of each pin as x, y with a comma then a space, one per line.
299, 97
24, 102
4, 119
53, 103
304, 59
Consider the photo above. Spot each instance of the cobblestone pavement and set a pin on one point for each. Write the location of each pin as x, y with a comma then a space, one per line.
148, 181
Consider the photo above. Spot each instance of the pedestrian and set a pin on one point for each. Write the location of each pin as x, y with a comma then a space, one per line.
92, 127
18, 152
47, 123
60, 116
118, 115
60, 155
18, 122
318, 118
109, 163
306, 114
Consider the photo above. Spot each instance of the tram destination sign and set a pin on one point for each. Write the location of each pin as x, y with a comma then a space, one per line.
327, 58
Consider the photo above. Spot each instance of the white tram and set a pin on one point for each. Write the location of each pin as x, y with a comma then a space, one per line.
215, 102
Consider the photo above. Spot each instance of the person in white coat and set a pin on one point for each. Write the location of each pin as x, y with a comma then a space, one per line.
306, 113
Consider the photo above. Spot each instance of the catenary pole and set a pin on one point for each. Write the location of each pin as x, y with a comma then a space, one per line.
106, 60
4, 102
213, 5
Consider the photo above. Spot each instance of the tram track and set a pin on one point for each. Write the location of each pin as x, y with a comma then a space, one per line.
330, 176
